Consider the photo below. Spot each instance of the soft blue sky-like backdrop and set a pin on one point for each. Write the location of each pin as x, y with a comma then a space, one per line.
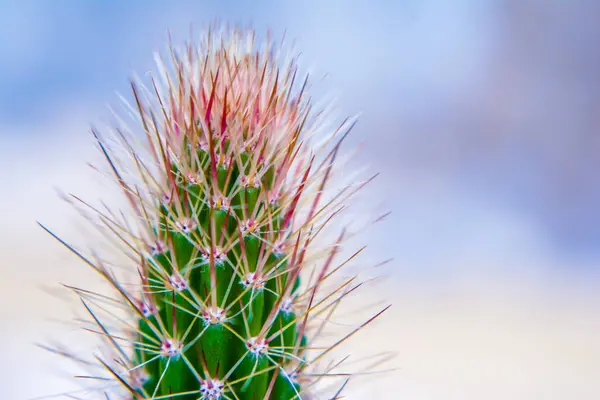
482, 116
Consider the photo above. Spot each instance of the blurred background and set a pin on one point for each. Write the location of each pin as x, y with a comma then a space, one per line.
482, 117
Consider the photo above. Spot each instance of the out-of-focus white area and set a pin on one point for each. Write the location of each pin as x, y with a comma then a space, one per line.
481, 116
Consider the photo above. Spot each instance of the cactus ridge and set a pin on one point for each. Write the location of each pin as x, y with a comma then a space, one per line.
235, 276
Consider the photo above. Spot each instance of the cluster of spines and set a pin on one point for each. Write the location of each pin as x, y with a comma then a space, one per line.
228, 207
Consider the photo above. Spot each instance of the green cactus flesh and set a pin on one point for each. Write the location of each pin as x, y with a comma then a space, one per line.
227, 316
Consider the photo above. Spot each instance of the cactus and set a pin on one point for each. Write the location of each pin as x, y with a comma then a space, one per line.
228, 205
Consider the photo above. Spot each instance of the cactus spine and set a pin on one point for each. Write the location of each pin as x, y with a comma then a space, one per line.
228, 206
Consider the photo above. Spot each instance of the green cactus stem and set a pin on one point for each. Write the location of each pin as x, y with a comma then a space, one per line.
226, 188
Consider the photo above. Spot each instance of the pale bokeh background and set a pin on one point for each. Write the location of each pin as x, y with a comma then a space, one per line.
482, 117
